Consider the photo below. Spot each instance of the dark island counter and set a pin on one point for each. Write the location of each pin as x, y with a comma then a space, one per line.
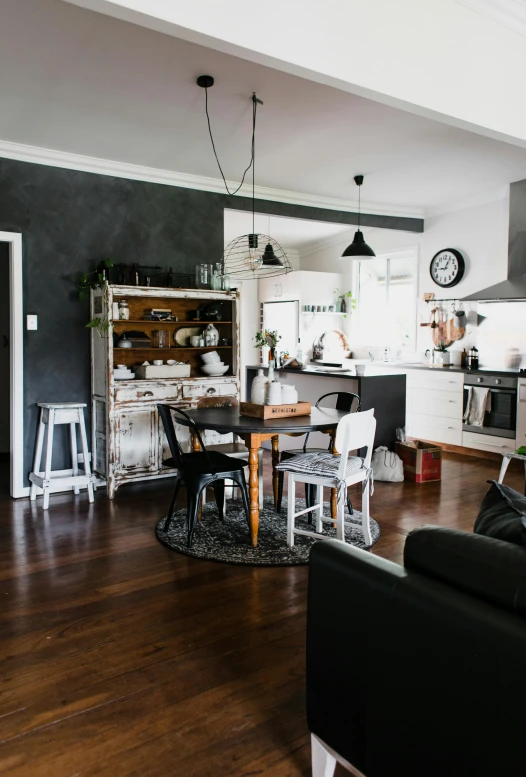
381, 389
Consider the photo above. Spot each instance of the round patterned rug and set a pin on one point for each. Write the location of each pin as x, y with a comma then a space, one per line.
228, 540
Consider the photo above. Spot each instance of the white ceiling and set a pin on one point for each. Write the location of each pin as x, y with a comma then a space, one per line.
293, 234
80, 82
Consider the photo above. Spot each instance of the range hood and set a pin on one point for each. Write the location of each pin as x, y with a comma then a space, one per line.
514, 287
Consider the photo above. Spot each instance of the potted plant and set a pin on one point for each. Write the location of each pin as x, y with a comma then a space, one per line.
269, 338
344, 301
96, 280
443, 356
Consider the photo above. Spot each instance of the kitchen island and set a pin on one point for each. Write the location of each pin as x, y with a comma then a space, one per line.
380, 388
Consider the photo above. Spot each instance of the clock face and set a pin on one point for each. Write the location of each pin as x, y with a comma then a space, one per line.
447, 267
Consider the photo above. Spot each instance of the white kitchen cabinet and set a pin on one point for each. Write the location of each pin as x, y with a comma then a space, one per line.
434, 406
488, 442
281, 287
128, 440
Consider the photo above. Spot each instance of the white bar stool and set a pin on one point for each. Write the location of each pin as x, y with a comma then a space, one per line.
506, 458
51, 414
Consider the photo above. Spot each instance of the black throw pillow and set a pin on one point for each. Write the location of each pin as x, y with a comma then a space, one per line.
502, 514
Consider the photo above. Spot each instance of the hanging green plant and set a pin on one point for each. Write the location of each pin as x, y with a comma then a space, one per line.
97, 280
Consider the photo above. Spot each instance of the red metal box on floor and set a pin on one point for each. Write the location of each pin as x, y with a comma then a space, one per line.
422, 460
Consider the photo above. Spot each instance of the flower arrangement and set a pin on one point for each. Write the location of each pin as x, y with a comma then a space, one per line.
268, 337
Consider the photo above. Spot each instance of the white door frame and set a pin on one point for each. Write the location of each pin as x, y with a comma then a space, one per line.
16, 345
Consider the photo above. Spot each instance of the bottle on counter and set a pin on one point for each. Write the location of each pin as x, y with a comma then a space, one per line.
299, 352
464, 359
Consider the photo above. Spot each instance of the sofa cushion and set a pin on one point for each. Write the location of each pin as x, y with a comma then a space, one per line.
502, 515
490, 569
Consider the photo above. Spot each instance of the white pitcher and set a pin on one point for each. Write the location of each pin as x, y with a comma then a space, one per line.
258, 392
274, 393
289, 395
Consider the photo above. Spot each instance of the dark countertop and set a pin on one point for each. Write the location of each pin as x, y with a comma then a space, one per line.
464, 370
370, 372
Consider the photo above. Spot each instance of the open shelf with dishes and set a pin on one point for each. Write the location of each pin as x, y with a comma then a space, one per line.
128, 438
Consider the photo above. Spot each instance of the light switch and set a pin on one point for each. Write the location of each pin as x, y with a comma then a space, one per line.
32, 322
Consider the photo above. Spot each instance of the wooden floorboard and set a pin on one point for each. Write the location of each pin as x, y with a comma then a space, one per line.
120, 657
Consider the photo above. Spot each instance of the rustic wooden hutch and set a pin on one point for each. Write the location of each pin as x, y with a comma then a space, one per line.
128, 441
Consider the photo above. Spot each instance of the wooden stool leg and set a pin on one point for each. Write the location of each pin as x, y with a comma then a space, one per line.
74, 454
85, 453
49, 453
38, 454
504, 466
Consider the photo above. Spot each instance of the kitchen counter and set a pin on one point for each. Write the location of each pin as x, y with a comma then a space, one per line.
389, 367
371, 371
381, 389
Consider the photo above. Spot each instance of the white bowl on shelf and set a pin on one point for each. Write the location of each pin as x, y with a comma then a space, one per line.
211, 357
215, 370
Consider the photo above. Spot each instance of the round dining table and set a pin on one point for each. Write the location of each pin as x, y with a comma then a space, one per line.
254, 431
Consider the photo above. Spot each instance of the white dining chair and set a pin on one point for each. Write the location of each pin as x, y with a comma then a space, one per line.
339, 470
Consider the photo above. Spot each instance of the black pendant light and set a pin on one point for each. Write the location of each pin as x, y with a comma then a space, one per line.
359, 248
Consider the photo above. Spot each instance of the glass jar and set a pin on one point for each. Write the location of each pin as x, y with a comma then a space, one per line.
124, 310
160, 338
226, 282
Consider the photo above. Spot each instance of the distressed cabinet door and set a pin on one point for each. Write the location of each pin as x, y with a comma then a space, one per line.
136, 440
183, 436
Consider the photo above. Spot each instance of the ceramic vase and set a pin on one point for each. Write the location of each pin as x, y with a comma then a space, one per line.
258, 391
271, 370
274, 393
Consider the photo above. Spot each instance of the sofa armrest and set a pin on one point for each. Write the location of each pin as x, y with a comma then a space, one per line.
406, 675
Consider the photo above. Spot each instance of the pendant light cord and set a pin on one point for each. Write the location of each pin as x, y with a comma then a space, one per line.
251, 163
359, 205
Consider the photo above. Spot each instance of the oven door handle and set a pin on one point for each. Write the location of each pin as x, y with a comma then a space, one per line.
494, 390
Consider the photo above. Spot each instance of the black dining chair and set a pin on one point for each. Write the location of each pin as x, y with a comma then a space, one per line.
348, 403
199, 469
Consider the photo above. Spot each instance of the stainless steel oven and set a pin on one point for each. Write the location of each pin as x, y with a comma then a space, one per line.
501, 419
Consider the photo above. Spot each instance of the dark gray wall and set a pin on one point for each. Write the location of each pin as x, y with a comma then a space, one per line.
69, 221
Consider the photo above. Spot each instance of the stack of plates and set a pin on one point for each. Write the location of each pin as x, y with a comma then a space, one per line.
121, 372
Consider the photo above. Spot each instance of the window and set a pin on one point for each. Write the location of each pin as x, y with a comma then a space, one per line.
386, 294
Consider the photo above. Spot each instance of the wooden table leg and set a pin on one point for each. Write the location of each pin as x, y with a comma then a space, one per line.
253, 443
196, 447
275, 461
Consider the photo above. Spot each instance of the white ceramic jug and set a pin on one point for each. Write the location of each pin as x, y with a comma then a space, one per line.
289, 395
274, 393
258, 392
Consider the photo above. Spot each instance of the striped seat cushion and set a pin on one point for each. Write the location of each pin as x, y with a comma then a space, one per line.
324, 465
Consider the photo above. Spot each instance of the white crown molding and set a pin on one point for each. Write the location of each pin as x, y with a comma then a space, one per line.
46, 156
511, 13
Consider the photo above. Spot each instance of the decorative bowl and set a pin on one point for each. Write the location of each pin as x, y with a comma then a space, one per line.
211, 357
215, 370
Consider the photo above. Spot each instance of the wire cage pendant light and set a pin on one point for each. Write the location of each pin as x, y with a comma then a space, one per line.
359, 249
254, 255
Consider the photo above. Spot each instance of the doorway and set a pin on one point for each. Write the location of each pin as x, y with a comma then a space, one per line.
11, 367
5, 370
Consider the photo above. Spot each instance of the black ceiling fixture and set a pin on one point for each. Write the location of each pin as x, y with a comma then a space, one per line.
254, 255
359, 249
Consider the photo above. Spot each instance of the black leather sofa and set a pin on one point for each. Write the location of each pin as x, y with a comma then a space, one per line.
420, 670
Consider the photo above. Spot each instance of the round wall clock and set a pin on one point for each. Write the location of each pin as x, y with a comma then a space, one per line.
447, 267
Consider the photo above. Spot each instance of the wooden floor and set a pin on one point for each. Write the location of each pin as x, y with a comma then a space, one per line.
120, 657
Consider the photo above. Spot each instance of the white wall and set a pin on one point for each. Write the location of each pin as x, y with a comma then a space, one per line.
434, 57
479, 233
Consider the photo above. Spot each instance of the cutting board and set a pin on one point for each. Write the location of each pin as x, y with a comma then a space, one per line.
447, 332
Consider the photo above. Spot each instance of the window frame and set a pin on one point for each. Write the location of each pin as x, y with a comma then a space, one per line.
409, 252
